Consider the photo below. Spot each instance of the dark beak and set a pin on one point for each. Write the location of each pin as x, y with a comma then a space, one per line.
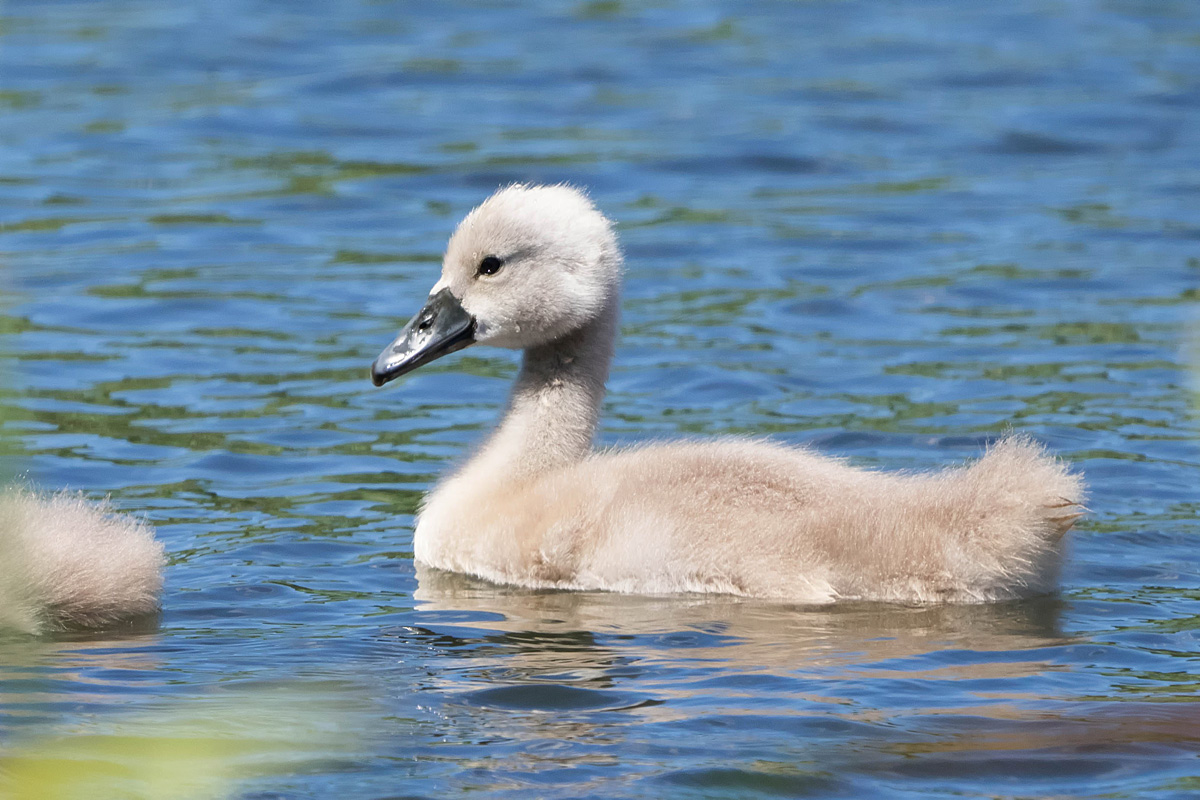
442, 327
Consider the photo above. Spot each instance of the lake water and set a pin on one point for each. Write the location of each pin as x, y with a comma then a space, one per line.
890, 231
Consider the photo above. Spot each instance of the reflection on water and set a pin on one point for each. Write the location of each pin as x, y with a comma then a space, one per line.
874, 694
726, 655
198, 748
887, 232
746, 635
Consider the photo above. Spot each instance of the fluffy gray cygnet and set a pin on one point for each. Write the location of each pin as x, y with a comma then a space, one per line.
538, 268
68, 562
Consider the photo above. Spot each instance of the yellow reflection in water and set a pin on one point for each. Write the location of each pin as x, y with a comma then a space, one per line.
199, 748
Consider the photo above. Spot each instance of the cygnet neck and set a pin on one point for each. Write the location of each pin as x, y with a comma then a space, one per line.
554, 408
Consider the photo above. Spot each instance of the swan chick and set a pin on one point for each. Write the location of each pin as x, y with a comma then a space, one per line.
538, 269
67, 563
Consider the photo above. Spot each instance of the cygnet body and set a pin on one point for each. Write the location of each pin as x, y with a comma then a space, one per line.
538, 268
68, 562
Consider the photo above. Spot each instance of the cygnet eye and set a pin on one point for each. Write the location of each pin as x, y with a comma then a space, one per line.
490, 265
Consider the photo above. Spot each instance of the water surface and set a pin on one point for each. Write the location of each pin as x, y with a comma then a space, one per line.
887, 231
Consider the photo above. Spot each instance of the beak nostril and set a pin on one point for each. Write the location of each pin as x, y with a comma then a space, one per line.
443, 326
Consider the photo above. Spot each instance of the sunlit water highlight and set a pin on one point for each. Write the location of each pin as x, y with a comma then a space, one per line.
890, 232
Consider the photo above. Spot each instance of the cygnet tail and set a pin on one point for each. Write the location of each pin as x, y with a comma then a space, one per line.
67, 562
1014, 507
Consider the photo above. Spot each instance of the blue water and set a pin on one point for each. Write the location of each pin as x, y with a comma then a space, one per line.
887, 230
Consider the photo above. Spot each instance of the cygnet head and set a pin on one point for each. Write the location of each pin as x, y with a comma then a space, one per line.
527, 267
